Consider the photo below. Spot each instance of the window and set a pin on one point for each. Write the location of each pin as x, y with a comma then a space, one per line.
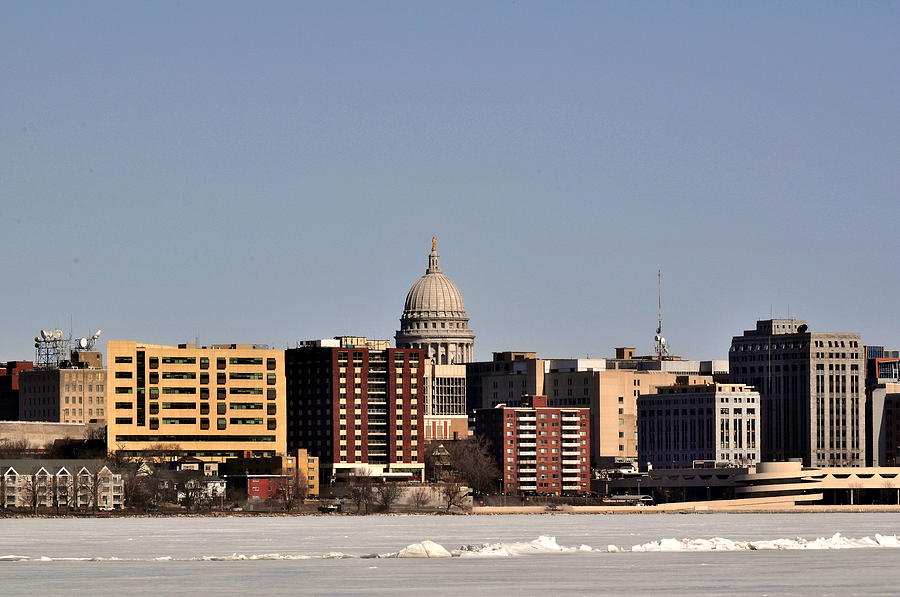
124, 359
270, 364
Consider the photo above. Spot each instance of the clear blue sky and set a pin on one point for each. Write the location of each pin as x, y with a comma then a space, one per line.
268, 172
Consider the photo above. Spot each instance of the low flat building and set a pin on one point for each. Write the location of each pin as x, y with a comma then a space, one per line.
73, 392
540, 449
680, 425
210, 402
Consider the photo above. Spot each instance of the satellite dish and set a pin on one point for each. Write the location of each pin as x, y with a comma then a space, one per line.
46, 334
802, 329
37, 339
57, 334
83, 342
662, 340
96, 334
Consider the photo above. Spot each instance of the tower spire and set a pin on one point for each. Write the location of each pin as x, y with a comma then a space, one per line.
434, 258
662, 348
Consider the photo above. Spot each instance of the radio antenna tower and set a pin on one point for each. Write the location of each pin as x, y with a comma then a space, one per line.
662, 347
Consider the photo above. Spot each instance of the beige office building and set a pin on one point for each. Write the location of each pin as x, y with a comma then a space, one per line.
73, 393
213, 402
445, 402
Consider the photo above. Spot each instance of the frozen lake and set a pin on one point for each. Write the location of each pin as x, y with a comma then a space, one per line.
181, 556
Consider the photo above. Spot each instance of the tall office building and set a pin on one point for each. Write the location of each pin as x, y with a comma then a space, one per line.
357, 404
812, 395
435, 319
211, 402
679, 425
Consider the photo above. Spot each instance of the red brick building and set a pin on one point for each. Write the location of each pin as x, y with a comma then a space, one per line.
357, 404
540, 449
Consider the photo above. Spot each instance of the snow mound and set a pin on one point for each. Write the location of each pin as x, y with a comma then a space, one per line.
836, 541
542, 544
424, 549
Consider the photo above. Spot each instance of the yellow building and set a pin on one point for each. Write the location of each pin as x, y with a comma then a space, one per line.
213, 402
308, 468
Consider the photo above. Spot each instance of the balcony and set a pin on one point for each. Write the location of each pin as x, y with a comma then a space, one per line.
527, 479
572, 488
569, 435
571, 462
571, 427
570, 453
571, 419
526, 419
527, 487
527, 436
527, 453
527, 445
527, 428
526, 462
572, 445
571, 471
527, 470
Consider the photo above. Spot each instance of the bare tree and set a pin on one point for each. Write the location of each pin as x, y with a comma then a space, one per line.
14, 448
387, 495
37, 487
420, 497
362, 490
453, 494
473, 463
293, 490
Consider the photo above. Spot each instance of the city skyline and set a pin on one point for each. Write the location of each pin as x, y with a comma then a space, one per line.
168, 169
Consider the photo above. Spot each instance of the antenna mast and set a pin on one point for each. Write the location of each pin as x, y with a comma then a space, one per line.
662, 348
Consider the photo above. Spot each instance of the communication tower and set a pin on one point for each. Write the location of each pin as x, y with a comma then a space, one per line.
662, 345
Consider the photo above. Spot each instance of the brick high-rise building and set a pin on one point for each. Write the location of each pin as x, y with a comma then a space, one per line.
9, 388
540, 449
73, 392
811, 387
357, 404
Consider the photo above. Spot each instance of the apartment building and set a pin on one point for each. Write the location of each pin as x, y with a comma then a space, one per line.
357, 405
74, 392
210, 402
811, 387
59, 484
540, 449
717, 423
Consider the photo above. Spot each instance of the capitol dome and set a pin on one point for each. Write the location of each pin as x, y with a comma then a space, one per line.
434, 317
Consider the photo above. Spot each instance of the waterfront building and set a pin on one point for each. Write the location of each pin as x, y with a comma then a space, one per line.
72, 391
811, 387
540, 449
59, 484
210, 402
610, 393
714, 423
434, 317
357, 405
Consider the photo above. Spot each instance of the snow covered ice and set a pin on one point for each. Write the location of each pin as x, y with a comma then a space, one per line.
452, 555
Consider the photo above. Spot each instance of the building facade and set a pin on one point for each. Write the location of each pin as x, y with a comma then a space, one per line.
212, 402
680, 425
540, 449
357, 404
812, 394
882, 406
434, 317
445, 402
59, 484
74, 392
